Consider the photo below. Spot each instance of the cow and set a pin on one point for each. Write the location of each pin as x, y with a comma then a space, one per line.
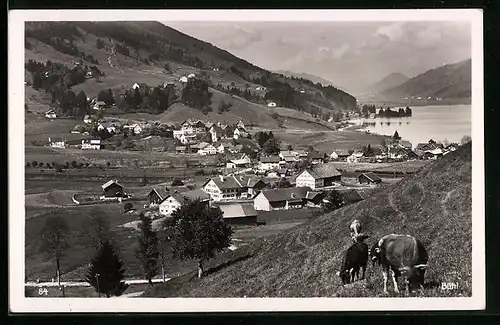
401, 255
356, 257
355, 228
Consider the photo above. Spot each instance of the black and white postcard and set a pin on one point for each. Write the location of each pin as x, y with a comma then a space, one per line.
246, 160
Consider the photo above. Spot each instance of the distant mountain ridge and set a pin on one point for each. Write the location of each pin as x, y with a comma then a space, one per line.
308, 76
451, 81
388, 82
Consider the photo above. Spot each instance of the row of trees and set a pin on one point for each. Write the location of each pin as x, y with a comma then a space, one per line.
194, 231
401, 112
155, 100
196, 94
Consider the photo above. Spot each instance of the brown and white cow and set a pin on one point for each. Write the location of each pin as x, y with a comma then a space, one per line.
401, 255
355, 228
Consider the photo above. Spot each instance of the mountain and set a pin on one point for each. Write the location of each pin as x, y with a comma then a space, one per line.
308, 76
434, 205
451, 81
388, 82
154, 54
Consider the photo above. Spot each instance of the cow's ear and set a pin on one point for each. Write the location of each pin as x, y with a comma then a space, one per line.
377, 250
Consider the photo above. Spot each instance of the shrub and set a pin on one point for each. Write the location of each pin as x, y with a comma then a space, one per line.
74, 164
34, 163
177, 182
108, 164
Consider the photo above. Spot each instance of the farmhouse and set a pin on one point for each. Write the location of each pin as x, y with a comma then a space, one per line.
415, 154
59, 143
157, 195
113, 189
316, 157
50, 114
238, 213
269, 162
239, 132
188, 138
180, 149
342, 154
241, 125
287, 198
206, 149
369, 178
397, 153
318, 176
174, 200
216, 133
93, 144
271, 104
183, 79
288, 156
243, 162
99, 105
87, 119
352, 195
233, 187
334, 156
135, 86
426, 146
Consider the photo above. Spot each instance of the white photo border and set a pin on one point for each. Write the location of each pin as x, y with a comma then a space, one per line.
18, 303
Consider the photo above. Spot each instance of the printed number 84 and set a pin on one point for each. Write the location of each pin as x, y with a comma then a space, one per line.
43, 291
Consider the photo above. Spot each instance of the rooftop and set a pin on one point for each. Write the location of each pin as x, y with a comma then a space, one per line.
324, 171
289, 193
237, 210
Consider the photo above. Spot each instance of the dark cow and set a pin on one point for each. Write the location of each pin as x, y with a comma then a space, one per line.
401, 255
356, 257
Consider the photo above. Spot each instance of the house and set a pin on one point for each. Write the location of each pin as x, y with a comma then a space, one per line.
216, 133
197, 127
51, 114
319, 176
93, 144
113, 189
60, 143
243, 162
260, 88
235, 149
137, 129
87, 119
238, 213
99, 105
269, 162
240, 125
101, 126
405, 144
111, 129
342, 154
352, 195
398, 153
415, 154
207, 149
180, 149
234, 187
433, 154
334, 156
188, 138
77, 129
369, 178
239, 132
426, 146
288, 156
191, 75
316, 157
135, 86
271, 104
286, 198
301, 153
167, 84
183, 79
221, 148
174, 200
451, 147
157, 195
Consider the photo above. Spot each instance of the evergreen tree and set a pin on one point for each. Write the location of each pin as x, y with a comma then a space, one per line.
54, 239
106, 272
97, 228
198, 232
272, 146
147, 252
396, 136
335, 201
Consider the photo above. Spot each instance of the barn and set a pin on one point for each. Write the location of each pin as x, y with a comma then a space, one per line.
286, 198
241, 213
113, 189
157, 195
369, 178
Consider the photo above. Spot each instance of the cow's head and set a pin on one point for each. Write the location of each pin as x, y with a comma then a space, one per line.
414, 274
375, 254
345, 276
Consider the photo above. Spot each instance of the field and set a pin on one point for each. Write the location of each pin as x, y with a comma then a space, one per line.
433, 205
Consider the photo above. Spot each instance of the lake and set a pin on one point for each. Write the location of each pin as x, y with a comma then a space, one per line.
440, 123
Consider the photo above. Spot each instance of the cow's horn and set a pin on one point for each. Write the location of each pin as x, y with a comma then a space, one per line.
420, 266
338, 273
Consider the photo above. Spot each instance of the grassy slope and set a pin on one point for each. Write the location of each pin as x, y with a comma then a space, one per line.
434, 206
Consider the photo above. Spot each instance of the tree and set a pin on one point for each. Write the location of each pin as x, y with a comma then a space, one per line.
147, 251
97, 228
465, 139
54, 236
368, 151
34, 163
166, 67
289, 147
272, 146
73, 164
396, 136
198, 232
106, 272
283, 183
334, 201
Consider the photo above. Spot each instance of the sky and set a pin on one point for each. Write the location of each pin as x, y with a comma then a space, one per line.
353, 55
